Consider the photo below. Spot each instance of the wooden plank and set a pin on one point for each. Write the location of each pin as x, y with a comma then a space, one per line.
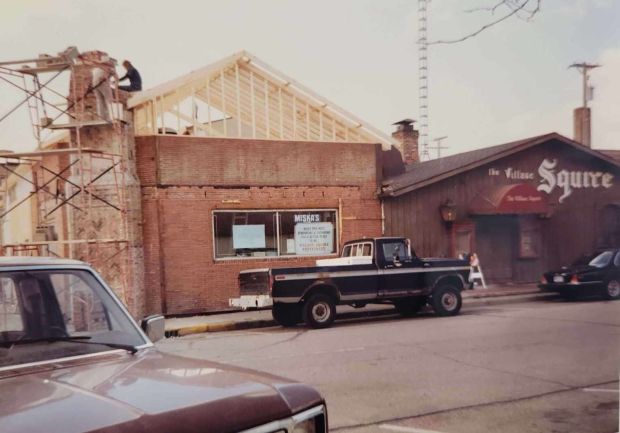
194, 111
238, 99
340, 112
281, 117
224, 111
183, 81
42, 153
307, 121
267, 124
253, 105
208, 91
294, 117
178, 120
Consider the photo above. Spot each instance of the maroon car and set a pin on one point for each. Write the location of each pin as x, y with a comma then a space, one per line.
72, 360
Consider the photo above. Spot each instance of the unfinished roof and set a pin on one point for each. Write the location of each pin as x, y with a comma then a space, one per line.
425, 173
242, 97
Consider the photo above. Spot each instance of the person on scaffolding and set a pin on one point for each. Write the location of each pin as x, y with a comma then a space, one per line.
135, 81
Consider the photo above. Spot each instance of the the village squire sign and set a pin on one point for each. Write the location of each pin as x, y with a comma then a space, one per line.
551, 178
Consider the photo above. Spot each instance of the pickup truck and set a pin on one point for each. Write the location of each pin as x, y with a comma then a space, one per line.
72, 360
377, 270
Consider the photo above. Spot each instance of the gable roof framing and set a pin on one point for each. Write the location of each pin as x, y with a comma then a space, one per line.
425, 173
243, 97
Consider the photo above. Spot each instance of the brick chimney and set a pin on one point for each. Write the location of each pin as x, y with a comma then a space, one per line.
407, 136
582, 126
90, 92
95, 109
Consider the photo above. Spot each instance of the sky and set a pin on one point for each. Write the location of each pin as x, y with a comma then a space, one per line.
508, 83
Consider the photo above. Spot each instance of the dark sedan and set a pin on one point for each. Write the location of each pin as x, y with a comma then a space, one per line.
597, 274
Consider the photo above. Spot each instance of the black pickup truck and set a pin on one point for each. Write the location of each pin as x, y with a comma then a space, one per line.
379, 270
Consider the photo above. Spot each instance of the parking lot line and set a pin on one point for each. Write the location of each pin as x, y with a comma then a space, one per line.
615, 391
405, 429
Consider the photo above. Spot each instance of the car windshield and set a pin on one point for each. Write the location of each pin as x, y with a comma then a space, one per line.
601, 260
51, 314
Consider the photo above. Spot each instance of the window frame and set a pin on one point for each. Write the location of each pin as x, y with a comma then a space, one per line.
277, 213
358, 247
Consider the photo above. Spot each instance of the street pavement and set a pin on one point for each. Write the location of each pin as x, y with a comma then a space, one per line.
544, 366
235, 320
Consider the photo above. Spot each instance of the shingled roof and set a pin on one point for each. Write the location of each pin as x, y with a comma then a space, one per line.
615, 154
425, 173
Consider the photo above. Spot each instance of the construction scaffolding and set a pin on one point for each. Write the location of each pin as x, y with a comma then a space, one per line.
78, 194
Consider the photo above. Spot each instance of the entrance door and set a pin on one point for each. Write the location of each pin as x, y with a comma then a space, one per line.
496, 238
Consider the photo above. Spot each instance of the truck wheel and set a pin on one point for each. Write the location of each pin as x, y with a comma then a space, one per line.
409, 306
447, 300
286, 314
612, 290
319, 311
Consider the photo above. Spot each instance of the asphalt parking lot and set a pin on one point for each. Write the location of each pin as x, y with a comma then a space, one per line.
545, 366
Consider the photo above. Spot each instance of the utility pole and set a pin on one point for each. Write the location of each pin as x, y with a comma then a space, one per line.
582, 117
585, 69
438, 147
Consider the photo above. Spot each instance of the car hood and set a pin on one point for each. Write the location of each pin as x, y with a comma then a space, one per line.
149, 391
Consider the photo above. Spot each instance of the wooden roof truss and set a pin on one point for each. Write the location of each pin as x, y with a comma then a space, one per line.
242, 97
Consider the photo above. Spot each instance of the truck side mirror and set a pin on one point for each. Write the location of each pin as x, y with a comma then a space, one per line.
154, 327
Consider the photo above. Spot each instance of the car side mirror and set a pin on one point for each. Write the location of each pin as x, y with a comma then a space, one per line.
154, 327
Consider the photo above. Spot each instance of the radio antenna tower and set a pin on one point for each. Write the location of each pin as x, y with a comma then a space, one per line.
423, 77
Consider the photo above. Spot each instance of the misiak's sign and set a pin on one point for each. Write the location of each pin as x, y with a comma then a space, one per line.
551, 176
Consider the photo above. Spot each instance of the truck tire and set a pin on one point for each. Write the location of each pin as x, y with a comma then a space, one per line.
286, 314
319, 311
409, 306
446, 300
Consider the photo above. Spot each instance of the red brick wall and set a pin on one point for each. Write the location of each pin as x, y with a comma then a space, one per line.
197, 161
181, 274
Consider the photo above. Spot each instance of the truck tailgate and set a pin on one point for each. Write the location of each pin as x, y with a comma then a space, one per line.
254, 282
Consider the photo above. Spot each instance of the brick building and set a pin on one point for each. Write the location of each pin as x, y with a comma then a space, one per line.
241, 167
214, 206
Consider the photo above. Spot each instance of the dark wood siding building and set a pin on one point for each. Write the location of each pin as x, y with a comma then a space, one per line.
523, 207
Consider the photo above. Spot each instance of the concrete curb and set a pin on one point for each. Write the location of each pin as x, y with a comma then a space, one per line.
230, 325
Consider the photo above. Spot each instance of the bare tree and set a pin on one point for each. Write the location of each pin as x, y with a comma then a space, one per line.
501, 11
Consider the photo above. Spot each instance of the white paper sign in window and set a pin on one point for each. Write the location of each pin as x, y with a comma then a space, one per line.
314, 238
248, 236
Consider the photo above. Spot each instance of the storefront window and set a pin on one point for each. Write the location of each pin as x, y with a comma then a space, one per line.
274, 233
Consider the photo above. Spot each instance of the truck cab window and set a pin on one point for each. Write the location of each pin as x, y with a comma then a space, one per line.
395, 251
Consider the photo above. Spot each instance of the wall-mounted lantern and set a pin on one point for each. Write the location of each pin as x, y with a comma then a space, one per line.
448, 212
